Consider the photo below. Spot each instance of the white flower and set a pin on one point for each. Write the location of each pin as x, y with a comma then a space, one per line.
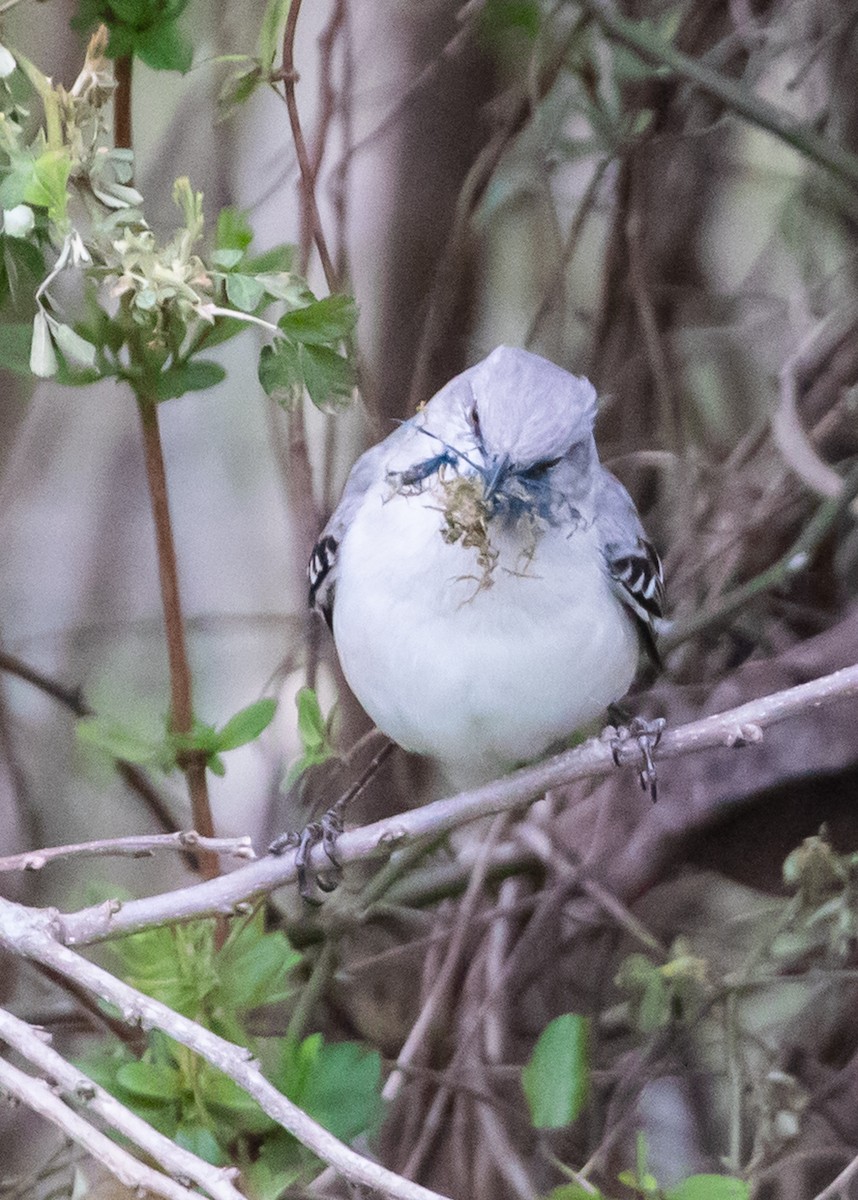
18, 221
7, 62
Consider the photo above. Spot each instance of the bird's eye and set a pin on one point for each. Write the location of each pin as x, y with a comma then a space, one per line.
541, 468
474, 418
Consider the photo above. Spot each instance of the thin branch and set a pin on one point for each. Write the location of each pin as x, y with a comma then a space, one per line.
471, 193
732, 729
799, 556
33, 1044
140, 846
839, 162
73, 699
32, 933
789, 434
305, 166
37, 1095
839, 1184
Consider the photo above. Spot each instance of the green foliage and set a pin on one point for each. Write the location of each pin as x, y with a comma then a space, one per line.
306, 356
556, 1079
166, 752
314, 730
201, 1108
148, 29
661, 993
255, 71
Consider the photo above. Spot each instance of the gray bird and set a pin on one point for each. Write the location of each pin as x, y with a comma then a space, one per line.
488, 583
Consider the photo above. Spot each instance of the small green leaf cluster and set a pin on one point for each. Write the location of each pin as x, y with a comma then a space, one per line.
659, 994
314, 731
148, 29
167, 752
202, 1109
644, 1184
253, 71
307, 355
824, 916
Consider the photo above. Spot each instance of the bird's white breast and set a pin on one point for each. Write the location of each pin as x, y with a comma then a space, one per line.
481, 674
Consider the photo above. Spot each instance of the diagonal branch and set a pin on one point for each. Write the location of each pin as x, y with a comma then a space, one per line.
33, 1044
33, 934
734, 728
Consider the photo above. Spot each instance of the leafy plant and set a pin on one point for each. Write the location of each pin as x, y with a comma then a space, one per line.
166, 752
187, 1099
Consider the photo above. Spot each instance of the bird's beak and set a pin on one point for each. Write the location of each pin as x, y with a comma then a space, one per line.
495, 476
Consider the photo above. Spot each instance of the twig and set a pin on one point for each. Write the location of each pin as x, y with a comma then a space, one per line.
73, 699
797, 559
732, 729
439, 992
37, 1095
140, 846
838, 1185
33, 1044
788, 432
33, 934
653, 48
308, 192
568, 249
471, 193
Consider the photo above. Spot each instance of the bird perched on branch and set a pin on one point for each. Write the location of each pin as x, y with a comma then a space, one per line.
488, 583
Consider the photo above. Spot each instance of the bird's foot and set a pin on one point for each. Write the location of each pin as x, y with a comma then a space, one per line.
325, 833
642, 737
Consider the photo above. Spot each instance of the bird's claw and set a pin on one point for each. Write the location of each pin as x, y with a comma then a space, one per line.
646, 734
324, 832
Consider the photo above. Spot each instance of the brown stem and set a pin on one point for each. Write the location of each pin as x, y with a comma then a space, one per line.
192, 762
308, 178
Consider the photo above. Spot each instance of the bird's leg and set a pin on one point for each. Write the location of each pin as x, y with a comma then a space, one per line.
646, 734
325, 831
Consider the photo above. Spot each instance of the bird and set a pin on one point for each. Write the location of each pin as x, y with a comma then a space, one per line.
488, 583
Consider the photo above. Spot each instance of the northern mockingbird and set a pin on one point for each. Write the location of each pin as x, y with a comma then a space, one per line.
487, 581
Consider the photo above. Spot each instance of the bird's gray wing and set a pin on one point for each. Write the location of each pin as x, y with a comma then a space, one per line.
322, 568
633, 564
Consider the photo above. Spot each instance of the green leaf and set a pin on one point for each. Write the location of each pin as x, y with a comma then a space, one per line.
164, 48
273, 21
556, 1080
244, 292
150, 1081
328, 376
233, 231
243, 1111
278, 258
573, 1191
226, 259
202, 1142
342, 1088
47, 186
15, 343
246, 725
321, 323
253, 965
710, 1187
280, 373
118, 742
312, 729
195, 376
238, 88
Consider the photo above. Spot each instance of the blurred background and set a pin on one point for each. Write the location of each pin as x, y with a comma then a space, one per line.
662, 197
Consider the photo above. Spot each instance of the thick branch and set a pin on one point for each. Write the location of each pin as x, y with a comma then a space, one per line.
732, 729
37, 1095
34, 1045
32, 933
